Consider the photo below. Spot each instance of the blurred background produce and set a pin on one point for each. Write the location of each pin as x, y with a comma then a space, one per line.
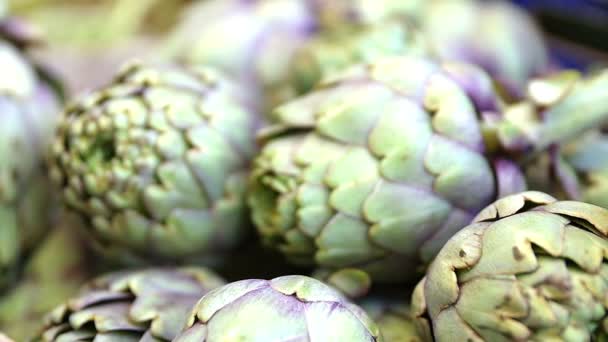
383, 127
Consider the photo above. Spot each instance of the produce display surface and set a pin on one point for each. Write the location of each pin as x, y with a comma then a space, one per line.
303, 170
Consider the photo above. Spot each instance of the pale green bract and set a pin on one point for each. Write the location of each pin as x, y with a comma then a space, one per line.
156, 163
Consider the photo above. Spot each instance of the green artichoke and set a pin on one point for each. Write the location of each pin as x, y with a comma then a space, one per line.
250, 40
394, 318
333, 52
156, 163
373, 169
58, 267
289, 308
587, 158
497, 36
529, 268
145, 305
28, 106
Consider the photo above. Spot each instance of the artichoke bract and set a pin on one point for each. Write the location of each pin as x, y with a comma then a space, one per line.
497, 35
289, 308
250, 40
156, 163
332, 52
28, 110
144, 305
528, 268
374, 168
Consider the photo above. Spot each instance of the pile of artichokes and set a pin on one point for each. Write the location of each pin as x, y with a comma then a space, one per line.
307, 170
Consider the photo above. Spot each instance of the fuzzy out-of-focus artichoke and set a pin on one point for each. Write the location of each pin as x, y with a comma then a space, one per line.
393, 316
144, 305
529, 268
495, 35
54, 273
28, 108
156, 163
250, 40
336, 15
334, 51
379, 166
289, 308
576, 169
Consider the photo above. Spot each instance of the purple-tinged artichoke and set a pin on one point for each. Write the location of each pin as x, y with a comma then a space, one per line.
373, 169
156, 163
252, 40
393, 316
379, 166
529, 268
496, 35
28, 109
145, 305
289, 308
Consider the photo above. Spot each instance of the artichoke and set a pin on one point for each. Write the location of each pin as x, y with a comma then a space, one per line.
498, 36
145, 305
333, 52
374, 169
289, 308
529, 268
57, 268
250, 40
29, 104
394, 318
156, 163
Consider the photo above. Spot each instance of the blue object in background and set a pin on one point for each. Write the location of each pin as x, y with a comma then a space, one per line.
580, 26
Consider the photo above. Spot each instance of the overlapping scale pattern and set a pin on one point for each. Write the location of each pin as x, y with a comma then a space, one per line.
528, 268
144, 305
156, 162
376, 168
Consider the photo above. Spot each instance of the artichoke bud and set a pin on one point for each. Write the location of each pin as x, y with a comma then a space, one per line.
132, 305
281, 309
375, 190
154, 162
529, 267
28, 107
